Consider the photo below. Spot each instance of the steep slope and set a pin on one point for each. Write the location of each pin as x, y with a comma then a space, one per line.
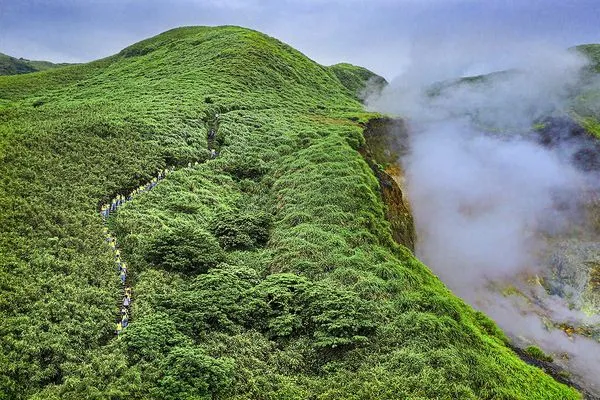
267, 272
358, 80
13, 66
592, 51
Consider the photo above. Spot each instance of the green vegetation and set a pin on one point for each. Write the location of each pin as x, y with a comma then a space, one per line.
585, 109
13, 66
536, 352
358, 80
592, 51
266, 273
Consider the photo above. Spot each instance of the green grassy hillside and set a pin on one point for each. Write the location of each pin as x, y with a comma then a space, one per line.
586, 110
268, 272
592, 51
358, 80
13, 66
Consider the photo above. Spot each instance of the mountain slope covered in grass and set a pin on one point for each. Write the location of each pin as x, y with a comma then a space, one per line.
592, 51
13, 66
358, 80
268, 272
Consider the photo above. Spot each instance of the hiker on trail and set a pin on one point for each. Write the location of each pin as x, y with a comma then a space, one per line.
124, 321
126, 301
119, 328
123, 276
211, 134
124, 312
213, 153
128, 291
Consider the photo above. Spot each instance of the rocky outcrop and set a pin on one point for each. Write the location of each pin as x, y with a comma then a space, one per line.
385, 143
574, 258
574, 274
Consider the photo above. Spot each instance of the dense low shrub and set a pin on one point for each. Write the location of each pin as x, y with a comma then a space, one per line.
240, 229
189, 373
184, 249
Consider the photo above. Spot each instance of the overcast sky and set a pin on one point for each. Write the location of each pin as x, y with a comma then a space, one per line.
379, 34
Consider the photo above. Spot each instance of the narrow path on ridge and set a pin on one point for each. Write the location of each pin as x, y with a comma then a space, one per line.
123, 318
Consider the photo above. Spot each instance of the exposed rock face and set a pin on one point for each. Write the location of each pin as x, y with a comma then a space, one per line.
575, 274
386, 142
574, 259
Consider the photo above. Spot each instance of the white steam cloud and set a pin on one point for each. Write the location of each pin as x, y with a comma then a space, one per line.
485, 193
479, 201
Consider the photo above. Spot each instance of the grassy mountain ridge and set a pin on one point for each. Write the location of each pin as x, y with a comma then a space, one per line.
13, 66
286, 282
358, 80
592, 51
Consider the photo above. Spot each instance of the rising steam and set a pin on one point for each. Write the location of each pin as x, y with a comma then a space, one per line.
489, 192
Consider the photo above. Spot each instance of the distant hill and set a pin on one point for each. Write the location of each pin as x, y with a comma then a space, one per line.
15, 66
438, 88
591, 51
585, 96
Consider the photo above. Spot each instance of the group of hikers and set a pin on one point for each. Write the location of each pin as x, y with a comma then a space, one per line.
212, 135
123, 319
106, 209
